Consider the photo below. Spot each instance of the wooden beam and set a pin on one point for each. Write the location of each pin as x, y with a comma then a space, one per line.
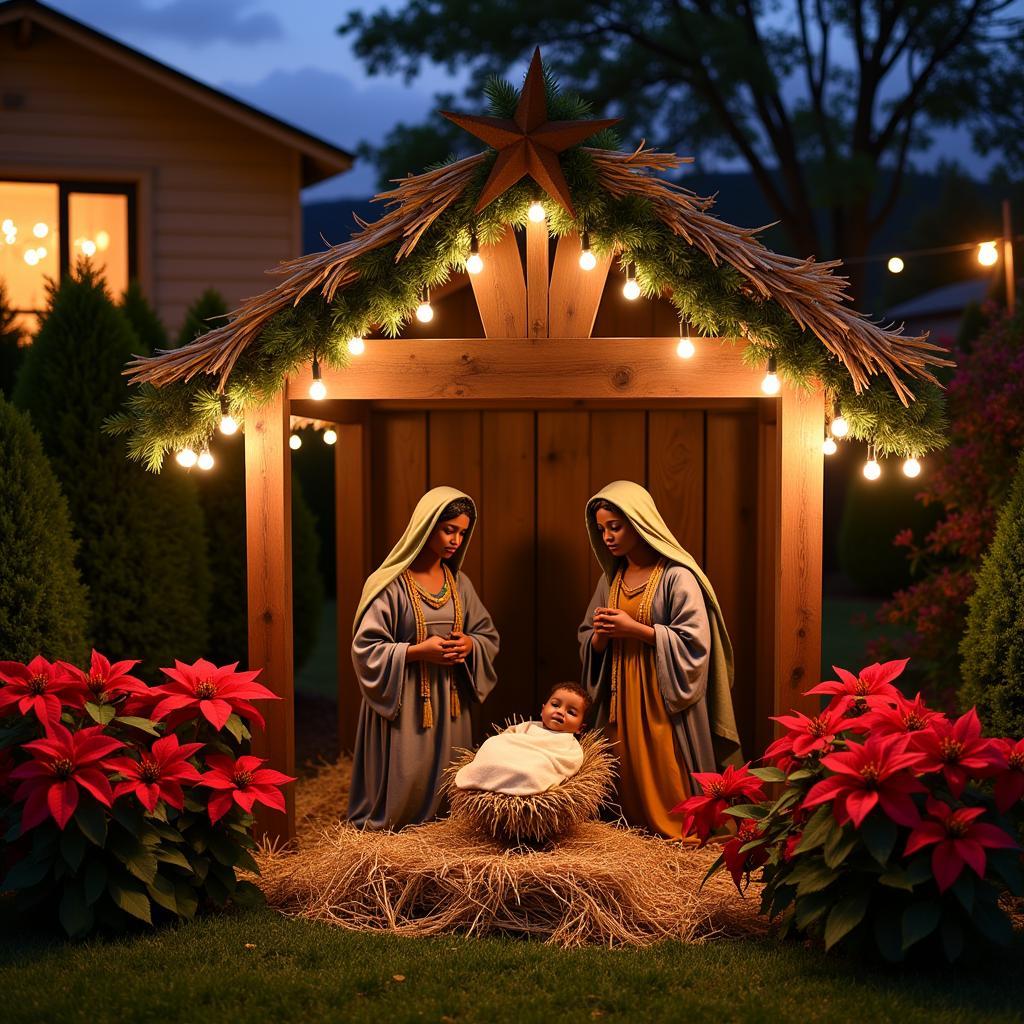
500, 289
575, 292
537, 279
268, 535
801, 425
568, 368
352, 530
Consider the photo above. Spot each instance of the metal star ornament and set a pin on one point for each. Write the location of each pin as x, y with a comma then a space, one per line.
528, 145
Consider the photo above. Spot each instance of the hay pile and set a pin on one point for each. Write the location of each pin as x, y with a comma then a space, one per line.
545, 816
603, 884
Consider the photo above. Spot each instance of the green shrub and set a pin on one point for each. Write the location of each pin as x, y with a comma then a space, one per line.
142, 551
993, 644
42, 600
144, 320
202, 316
11, 350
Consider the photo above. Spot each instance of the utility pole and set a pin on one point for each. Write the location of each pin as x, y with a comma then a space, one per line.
1011, 283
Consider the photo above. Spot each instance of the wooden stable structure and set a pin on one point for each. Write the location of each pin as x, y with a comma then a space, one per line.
531, 408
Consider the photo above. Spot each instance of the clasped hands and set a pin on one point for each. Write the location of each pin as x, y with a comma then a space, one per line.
615, 624
443, 650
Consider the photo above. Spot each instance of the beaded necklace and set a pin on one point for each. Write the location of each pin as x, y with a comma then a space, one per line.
643, 616
418, 596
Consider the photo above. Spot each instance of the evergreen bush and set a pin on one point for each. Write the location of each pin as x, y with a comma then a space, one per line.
142, 551
144, 320
993, 645
42, 600
10, 345
202, 316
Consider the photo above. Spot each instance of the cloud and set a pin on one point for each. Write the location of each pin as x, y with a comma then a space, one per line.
196, 22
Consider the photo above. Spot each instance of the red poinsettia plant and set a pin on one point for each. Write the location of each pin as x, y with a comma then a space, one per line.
122, 801
892, 827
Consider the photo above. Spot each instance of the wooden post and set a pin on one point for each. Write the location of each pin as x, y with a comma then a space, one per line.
268, 534
352, 530
1008, 274
801, 429
500, 289
537, 279
575, 293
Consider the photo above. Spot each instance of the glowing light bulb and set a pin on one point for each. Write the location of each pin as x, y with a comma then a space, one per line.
317, 389
536, 211
356, 346
205, 461
685, 349
872, 470
424, 311
89, 247
587, 259
187, 458
31, 257
988, 254
41, 251
40, 230
839, 427
895, 265
475, 263
631, 289
330, 436
102, 240
295, 442
829, 446
912, 467
10, 238
771, 385
8, 226
228, 424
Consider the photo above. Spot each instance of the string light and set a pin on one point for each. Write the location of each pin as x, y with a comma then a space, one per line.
475, 262
187, 458
895, 265
356, 346
536, 211
770, 385
829, 446
988, 254
912, 467
631, 289
205, 460
330, 436
839, 426
686, 348
228, 423
587, 259
424, 311
295, 442
317, 389
40, 230
872, 470
31, 257
89, 247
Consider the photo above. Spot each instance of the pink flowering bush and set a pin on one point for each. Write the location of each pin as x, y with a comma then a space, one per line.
121, 801
894, 827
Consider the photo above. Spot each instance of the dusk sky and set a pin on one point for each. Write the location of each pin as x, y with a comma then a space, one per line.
289, 61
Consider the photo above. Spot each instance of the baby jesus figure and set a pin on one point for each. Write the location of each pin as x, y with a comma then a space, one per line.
532, 757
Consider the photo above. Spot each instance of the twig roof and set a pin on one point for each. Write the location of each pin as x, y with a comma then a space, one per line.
807, 290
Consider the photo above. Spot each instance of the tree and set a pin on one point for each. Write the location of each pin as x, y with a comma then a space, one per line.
42, 600
142, 550
825, 102
202, 316
10, 344
144, 320
993, 645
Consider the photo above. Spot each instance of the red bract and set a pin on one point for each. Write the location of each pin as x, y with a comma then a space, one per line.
740, 863
37, 687
957, 750
871, 689
1010, 783
704, 813
215, 692
873, 774
242, 782
806, 736
61, 763
905, 716
158, 774
104, 682
961, 839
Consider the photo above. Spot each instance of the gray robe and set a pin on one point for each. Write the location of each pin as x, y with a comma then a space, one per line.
682, 642
397, 764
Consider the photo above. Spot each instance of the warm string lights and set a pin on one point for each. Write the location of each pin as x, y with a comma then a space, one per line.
424, 311
631, 289
771, 384
228, 423
686, 348
317, 388
872, 470
475, 263
587, 259
356, 346
536, 211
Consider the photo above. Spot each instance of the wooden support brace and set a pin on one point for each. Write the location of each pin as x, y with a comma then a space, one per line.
575, 292
500, 289
537, 278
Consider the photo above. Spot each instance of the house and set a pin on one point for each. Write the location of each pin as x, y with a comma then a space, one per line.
939, 311
109, 154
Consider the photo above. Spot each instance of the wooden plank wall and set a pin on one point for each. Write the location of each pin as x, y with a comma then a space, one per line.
531, 473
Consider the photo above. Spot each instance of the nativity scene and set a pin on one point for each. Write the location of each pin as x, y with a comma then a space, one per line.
549, 495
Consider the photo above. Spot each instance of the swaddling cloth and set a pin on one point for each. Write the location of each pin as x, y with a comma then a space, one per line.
524, 760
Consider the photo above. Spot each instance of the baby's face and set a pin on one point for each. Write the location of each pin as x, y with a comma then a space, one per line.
563, 712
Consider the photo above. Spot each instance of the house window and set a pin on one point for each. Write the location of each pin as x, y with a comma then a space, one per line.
47, 227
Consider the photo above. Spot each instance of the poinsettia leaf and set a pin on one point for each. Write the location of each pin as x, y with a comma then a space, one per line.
186, 899
129, 815
246, 862
76, 916
101, 713
223, 848
789, 797
135, 856
952, 940
166, 831
839, 846
844, 917
888, 935
25, 874
756, 811
879, 836
812, 907
95, 880
992, 922
91, 821
130, 897
248, 895
133, 722
817, 830
1007, 865
896, 878
963, 889
235, 726
161, 892
800, 774
218, 892
769, 774
920, 919
714, 869
72, 848
812, 875
169, 855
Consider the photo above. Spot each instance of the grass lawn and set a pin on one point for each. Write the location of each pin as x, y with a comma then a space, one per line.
299, 971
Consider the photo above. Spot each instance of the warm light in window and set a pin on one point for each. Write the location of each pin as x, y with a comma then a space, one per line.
31, 257
102, 240
40, 230
89, 247
93, 215
24, 263
8, 226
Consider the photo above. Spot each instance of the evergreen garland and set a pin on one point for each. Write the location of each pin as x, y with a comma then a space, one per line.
714, 299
